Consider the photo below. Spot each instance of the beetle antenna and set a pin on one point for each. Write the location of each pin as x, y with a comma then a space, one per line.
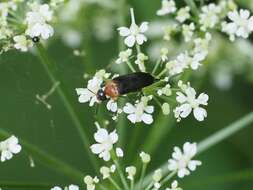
92, 92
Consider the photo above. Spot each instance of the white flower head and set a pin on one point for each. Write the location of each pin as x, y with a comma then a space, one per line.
166, 108
139, 112
134, 34
174, 186
112, 106
56, 188
89, 94
182, 161
157, 176
165, 90
70, 187
183, 14
188, 31
131, 171
106, 171
145, 158
188, 102
119, 152
124, 56
164, 54
22, 43
209, 16
90, 182
201, 45
104, 143
178, 65
9, 147
241, 25
37, 21
141, 58
168, 6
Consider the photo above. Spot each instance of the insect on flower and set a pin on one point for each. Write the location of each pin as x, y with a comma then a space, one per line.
125, 84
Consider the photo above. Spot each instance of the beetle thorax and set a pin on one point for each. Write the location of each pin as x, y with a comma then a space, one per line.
111, 89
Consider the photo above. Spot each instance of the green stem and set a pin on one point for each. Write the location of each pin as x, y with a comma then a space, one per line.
132, 185
168, 177
193, 7
114, 183
149, 186
47, 159
138, 48
121, 175
49, 67
156, 66
143, 171
162, 73
214, 139
130, 66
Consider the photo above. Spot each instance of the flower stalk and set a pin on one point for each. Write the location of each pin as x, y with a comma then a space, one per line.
118, 167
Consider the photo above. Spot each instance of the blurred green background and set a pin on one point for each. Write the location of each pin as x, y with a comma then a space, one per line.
227, 166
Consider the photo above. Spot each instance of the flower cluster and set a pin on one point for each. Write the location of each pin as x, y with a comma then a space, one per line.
9, 147
142, 109
181, 163
188, 102
104, 145
22, 23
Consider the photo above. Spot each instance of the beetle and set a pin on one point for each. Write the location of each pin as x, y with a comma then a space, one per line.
125, 84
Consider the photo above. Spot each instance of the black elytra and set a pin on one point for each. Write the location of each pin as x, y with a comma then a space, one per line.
133, 82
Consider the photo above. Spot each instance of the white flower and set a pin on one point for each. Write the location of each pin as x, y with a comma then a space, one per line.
40, 29
39, 14
56, 188
139, 112
73, 187
119, 152
90, 182
201, 44
188, 31
9, 147
89, 94
70, 187
145, 158
131, 170
166, 108
179, 65
134, 34
105, 171
183, 14
174, 186
112, 106
124, 56
157, 176
141, 58
168, 6
182, 161
22, 43
37, 21
241, 25
165, 90
209, 16
164, 54
104, 143
188, 102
